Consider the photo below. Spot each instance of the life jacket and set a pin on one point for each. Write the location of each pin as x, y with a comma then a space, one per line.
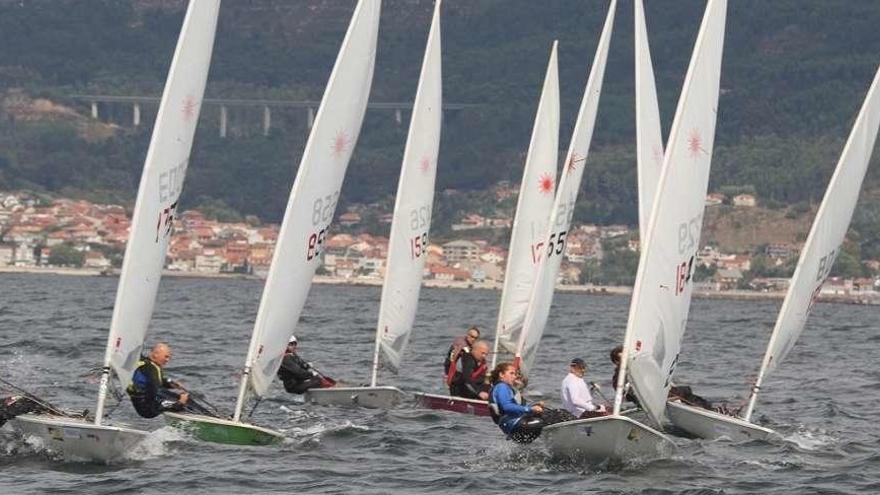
453, 356
479, 371
494, 411
141, 373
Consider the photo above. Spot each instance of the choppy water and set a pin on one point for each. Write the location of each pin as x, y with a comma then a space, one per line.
823, 399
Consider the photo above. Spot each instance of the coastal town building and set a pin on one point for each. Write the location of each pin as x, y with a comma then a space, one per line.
457, 251
31, 229
747, 200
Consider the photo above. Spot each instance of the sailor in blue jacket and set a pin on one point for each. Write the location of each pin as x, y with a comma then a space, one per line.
521, 423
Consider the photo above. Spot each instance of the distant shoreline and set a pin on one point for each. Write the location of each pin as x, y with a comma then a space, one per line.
741, 295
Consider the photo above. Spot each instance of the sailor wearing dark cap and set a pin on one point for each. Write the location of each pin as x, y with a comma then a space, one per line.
576, 397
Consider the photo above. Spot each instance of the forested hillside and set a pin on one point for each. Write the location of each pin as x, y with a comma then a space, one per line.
794, 75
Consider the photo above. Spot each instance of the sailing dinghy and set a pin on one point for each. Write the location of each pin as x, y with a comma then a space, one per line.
154, 212
662, 292
407, 248
526, 239
307, 218
817, 258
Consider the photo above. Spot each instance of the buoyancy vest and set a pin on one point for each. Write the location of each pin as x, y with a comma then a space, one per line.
145, 372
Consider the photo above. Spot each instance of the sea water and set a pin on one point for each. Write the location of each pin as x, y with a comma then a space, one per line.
823, 399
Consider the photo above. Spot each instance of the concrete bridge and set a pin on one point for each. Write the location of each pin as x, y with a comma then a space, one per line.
266, 107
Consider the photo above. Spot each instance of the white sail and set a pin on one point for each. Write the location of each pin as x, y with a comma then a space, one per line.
563, 206
649, 140
408, 243
662, 293
536, 193
313, 198
160, 186
826, 236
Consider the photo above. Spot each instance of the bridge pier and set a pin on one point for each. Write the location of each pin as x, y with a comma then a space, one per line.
267, 120
224, 119
311, 117
95, 110
398, 116
136, 114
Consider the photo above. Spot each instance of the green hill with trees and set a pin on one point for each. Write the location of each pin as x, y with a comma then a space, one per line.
794, 75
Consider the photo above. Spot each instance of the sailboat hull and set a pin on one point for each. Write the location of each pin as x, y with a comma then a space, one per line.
711, 425
217, 430
383, 397
77, 439
606, 438
454, 404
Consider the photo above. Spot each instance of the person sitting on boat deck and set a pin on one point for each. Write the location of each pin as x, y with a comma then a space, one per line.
681, 393
615, 359
295, 373
576, 397
150, 391
684, 394
519, 422
470, 382
16, 405
460, 346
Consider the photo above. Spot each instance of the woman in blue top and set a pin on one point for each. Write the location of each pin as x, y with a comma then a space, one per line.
520, 422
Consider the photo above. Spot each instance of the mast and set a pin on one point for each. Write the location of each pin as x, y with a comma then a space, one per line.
158, 193
649, 140
551, 255
825, 239
649, 148
413, 205
312, 201
664, 282
532, 209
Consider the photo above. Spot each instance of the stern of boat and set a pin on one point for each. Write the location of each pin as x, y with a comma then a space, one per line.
712, 425
77, 439
614, 438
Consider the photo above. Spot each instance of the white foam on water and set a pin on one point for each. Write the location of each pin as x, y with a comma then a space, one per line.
810, 439
319, 429
771, 465
503, 455
155, 445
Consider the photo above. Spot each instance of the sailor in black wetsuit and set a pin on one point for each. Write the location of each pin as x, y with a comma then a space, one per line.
296, 374
17, 405
681, 393
150, 391
470, 382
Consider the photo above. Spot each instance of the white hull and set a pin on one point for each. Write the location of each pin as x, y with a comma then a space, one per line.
712, 425
382, 397
613, 438
77, 439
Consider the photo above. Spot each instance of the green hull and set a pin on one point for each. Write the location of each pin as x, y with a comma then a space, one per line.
223, 431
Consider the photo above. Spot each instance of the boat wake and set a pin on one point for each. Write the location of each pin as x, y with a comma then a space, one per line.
810, 439
11, 445
157, 444
319, 430
509, 456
